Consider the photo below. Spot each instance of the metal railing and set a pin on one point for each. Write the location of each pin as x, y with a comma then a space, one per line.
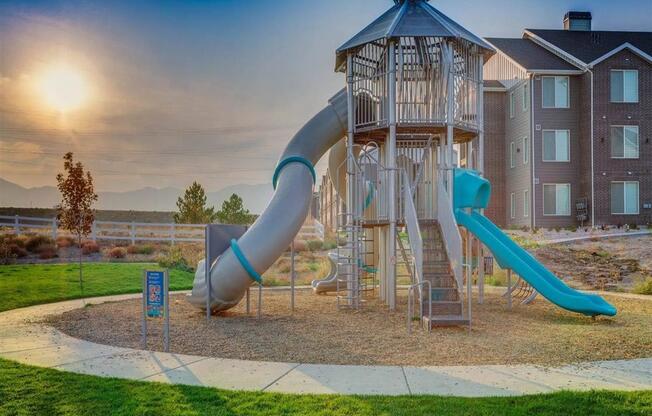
450, 231
410, 313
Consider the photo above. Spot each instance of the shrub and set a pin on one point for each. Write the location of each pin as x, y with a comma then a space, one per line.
644, 288
137, 249
17, 250
633, 226
47, 251
117, 253
315, 245
174, 259
6, 256
300, 245
35, 241
65, 241
13, 239
90, 247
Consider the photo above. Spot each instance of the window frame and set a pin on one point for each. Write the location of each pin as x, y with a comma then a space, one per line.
638, 142
512, 155
567, 91
525, 98
638, 199
526, 203
543, 199
638, 95
526, 150
512, 205
543, 146
512, 104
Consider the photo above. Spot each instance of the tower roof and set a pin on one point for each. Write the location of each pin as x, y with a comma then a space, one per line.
410, 18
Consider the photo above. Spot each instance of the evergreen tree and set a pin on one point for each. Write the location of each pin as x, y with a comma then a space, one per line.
234, 212
192, 207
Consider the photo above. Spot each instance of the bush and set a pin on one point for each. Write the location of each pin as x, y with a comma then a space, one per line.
137, 249
633, 226
315, 245
17, 250
90, 247
65, 241
6, 256
35, 241
18, 240
47, 251
644, 288
174, 259
300, 245
117, 253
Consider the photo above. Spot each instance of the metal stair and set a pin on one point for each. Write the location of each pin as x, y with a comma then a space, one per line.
447, 307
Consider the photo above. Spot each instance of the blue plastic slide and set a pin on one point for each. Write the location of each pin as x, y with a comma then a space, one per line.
473, 193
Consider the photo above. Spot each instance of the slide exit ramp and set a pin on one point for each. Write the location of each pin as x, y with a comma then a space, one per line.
472, 192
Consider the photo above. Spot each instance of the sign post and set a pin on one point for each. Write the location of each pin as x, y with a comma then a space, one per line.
156, 303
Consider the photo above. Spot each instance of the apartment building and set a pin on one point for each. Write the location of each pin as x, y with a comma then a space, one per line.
568, 123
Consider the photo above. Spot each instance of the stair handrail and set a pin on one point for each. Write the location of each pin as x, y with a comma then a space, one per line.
449, 229
414, 232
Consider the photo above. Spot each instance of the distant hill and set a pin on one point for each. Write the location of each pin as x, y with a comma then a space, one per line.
255, 197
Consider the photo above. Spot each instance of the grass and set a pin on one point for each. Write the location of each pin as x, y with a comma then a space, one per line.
643, 288
29, 284
26, 390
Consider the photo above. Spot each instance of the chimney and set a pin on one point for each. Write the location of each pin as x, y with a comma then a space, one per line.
577, 21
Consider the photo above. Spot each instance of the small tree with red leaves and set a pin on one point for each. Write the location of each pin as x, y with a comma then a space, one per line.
75, 212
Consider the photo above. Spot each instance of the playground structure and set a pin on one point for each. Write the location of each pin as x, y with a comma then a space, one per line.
411, 159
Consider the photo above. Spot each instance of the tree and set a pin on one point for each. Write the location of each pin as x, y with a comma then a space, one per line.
75, 212
234, 212
192, 207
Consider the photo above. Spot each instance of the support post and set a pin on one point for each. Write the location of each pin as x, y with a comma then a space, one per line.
16, 225
260, 301
392, 185
509, 289
173, 233
54, 228
349, 220
94, 231
132, 233
166, 291
292, 276
469, 273
480, 273
248, 301
143, 323
207, 271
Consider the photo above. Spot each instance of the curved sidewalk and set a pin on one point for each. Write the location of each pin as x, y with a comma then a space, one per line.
24, 339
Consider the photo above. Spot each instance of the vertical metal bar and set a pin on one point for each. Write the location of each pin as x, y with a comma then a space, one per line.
260, 300
173, 233
207, 271
292, 276
132, 232
16, 225
143, 323
391, 164
166, 334
54, 228
509, 288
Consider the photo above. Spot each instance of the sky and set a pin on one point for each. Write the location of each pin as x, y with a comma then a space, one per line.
176, 91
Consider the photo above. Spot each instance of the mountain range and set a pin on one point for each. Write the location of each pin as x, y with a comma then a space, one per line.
255, 197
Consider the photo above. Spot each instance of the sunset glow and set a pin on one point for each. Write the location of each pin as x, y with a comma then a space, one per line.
63, 88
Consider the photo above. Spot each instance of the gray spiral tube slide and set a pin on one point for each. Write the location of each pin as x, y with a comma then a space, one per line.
275, 229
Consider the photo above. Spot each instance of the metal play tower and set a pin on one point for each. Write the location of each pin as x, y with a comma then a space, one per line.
414, 97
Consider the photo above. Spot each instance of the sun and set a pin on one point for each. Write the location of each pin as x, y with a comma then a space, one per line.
63, 88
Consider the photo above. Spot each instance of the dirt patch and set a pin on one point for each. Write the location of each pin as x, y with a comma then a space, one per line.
318, 333
606, 264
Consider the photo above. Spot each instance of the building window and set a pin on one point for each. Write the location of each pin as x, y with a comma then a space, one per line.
526, 203
624, 198
525, 97
624, 142
512, 156
556, 199
556, 146
624, 86
555, 92
526, 150
511, 104
512, 205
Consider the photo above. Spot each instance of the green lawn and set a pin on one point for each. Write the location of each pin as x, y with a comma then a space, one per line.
29, 284
26, 390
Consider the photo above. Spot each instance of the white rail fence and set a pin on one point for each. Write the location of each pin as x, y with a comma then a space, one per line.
133, 232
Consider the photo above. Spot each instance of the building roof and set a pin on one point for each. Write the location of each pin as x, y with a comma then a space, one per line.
493, 84
587, 46
410, 18
529, 55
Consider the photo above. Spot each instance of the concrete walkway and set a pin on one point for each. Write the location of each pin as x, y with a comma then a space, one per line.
25, 339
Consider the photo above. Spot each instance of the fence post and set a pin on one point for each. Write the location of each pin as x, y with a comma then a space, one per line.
16, 225
54, 228
173, 233
94, 231
133, 234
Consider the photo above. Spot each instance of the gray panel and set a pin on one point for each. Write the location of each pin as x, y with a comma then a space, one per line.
220, 236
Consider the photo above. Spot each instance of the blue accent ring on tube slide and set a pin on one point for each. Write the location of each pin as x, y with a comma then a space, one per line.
244, 262
293, 159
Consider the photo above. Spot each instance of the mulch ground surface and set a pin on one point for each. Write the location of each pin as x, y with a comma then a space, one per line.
317, 332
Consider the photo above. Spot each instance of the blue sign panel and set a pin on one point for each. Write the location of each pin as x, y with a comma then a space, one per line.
154, 281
